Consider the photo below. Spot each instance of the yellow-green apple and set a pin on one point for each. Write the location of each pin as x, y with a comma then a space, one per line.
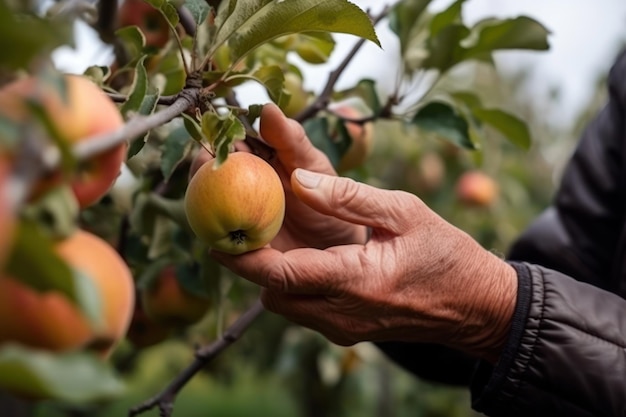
475, 188
238, 206
79, 113
361, 134
168, 303
299, 96
49, 321
148, 19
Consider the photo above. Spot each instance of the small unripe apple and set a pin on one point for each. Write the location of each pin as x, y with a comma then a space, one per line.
85, 112
149, 20
299, 97
238, 206
50, 321
362, 136
475, 188
168, 303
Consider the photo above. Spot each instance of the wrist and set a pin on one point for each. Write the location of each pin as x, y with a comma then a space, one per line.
484, 330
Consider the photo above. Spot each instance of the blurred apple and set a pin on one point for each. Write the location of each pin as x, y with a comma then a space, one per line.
299, 96
84, 113
149, 20
361, 134
168, 303
477, 189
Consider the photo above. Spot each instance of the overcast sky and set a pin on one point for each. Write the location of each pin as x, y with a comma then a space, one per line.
584, 39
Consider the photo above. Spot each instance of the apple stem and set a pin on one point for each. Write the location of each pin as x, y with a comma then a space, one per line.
238, 236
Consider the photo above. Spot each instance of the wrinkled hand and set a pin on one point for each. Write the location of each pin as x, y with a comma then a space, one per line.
418, 278
303, 226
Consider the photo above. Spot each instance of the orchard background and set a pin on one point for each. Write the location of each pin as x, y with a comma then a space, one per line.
445, 124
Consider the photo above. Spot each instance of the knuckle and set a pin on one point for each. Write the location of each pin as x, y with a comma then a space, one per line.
274, 279
345, 192
271, 301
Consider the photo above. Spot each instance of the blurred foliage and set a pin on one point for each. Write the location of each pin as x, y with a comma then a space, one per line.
469, 117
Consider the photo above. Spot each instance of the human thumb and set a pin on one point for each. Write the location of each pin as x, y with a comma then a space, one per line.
354, 202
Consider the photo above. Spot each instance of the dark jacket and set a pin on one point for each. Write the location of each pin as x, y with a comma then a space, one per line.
566, 351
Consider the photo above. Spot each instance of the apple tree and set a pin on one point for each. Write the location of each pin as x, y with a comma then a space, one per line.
100, 261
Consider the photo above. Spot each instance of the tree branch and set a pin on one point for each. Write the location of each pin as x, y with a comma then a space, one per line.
165, 100
135, 127
322, 100
165, 399
36, 159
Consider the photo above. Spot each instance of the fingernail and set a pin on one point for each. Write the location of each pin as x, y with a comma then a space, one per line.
307, 179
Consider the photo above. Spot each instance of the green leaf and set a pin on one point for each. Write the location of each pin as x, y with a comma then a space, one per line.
138, 90
314, 47
366, 90
24, 36
172, 209
142, 100
494, 34
199, 9
254, 112
317, 129
272, 78
440, 118
34, 262
451, 15
147, 279
190, 278
56, 212
172, 69
174, 150
132, 39
98, 74
513, 128
221, 132
192, 127
75, 378
468, 98
444, 49
167, 9
404, 17
246, 25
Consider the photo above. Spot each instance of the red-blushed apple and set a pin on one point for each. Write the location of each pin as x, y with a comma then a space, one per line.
477, 189
238, 206
168, 303
145, 332
85, 112
49, 321
362, 135
148, 19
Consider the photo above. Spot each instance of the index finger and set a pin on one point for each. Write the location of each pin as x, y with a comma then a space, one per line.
293, 147
298, 271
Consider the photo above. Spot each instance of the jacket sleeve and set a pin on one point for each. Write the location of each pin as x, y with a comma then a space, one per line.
566, 354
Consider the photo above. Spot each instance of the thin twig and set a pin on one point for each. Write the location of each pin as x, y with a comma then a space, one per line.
164, 100
322, 100
36, 159
165, 399
135, 127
